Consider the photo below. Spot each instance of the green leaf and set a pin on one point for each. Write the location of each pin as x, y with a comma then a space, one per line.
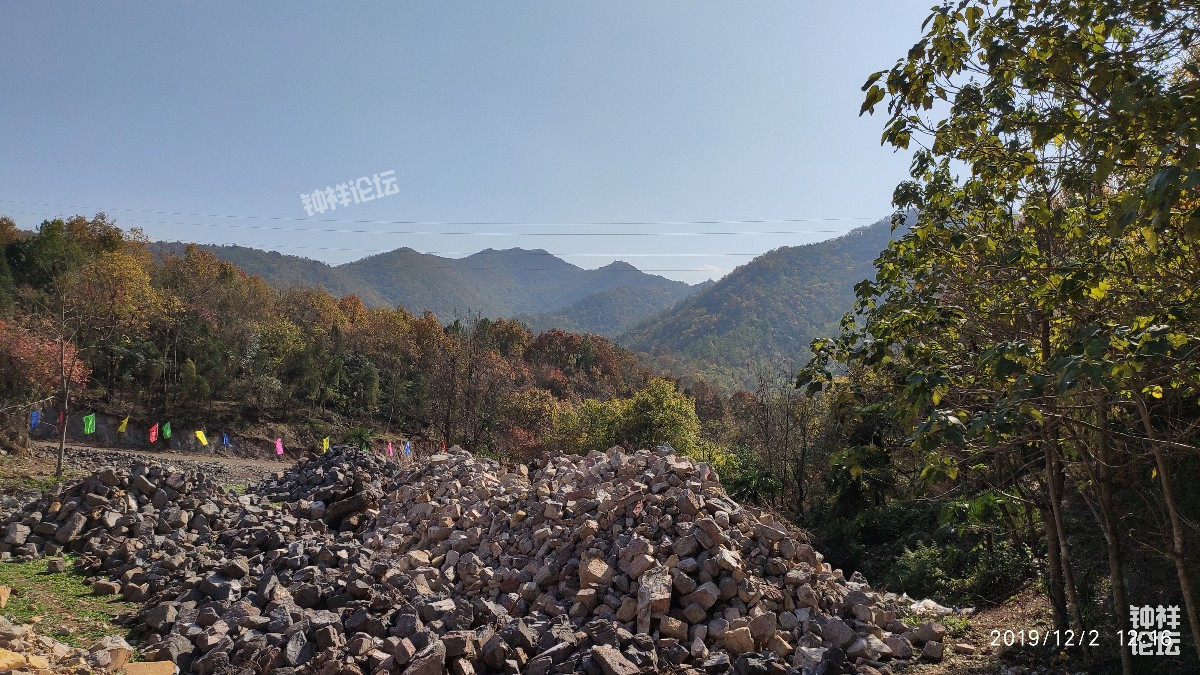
874, 96
973, 15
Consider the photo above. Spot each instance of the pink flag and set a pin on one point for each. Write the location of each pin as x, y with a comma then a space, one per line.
389, 448
279, 446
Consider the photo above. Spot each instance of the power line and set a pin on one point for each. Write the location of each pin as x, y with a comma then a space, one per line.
431, 223
457, 233
343, 230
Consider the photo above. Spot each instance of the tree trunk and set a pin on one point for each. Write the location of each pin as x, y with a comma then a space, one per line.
1054, 486
66, 396
1068, 574
1054, 581
1185, 586
1112, 537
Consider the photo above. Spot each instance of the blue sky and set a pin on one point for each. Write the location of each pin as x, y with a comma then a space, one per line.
551, 116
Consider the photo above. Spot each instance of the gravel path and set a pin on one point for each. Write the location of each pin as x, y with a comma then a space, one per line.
225, 470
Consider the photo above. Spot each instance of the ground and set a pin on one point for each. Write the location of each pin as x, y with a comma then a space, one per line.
60, 605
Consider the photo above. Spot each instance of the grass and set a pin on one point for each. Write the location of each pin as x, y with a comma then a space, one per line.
955, 625
60, 605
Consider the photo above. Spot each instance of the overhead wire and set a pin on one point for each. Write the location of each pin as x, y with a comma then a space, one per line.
343, 230
755, 221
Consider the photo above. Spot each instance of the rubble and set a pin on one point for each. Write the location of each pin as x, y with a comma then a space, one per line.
605, 563
24, 651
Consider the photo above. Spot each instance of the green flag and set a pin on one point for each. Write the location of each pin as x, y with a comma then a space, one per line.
89, 424
167, 430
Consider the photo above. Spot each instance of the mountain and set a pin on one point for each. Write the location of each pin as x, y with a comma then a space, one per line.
766, 311
611, 312
546, 290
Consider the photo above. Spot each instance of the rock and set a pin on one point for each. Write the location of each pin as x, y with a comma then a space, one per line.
71, 528
739, 640
56, 566
16, 534
705, 595
963, 648
429, 661
654, 595
612, 662
594, 572
868, 647
151, 668
930, 631
901, 647
932, 651
160, 617
10, 660
671, 627
110, 654
837, 633
763, 627
810, 657
104, 587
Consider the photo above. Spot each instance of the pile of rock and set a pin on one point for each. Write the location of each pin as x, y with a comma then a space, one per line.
608, 563
647, 546
147, 504
342, 487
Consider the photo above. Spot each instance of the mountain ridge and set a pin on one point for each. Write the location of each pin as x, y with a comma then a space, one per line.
766, 311
530, 283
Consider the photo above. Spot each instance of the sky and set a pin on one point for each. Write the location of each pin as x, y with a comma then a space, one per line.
597, 131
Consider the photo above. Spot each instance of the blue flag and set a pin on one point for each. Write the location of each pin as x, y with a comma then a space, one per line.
33, 419
225, 440
407, 448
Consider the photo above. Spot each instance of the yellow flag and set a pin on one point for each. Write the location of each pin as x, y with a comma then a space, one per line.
325, 444
200, 437
124, 422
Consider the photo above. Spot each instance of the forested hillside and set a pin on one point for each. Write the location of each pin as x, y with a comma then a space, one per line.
491, 283
764, 312
613, 311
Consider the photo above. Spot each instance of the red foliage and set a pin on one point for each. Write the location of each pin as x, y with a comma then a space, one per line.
29, 363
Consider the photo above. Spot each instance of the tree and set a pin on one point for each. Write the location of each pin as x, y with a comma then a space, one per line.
658, 413
1041, 312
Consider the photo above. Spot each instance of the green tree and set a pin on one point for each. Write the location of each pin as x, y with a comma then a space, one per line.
659, 413
1042, 311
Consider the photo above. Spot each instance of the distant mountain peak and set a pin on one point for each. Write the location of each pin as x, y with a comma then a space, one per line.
493, 282
770, 308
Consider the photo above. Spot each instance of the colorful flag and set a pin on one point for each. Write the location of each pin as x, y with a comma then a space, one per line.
89, 424
154, 433
390, 453
167, 430
124, 423
407, 448
201, 437
225, 440
33, 419
325, 444
62, 416
279, 446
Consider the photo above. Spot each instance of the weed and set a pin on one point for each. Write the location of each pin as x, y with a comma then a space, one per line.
63, 601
